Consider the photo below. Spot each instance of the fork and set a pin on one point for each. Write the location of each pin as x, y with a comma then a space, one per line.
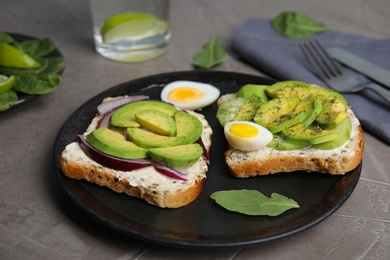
331, 72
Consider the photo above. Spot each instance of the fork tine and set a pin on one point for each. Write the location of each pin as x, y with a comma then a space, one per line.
325, 67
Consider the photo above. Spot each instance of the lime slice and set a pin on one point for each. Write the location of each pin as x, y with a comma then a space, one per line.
12, 57
6, 83
134, 30
117, 19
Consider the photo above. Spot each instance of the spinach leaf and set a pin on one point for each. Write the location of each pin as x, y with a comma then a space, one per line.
295, 25
17, 71
36, 48
253, 202
53, 64
48, 65
6, 38
212, 54
38, 81
7, 100
37, 84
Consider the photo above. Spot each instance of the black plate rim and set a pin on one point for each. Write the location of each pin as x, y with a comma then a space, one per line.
218, 243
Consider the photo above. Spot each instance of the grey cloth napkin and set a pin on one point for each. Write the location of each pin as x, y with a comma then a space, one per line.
257, 43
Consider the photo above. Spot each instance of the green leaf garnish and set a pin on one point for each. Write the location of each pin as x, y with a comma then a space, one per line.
212, 54
253, 202
295, 25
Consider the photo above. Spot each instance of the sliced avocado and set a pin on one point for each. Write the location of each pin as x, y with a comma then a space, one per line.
147, 139
125, 116
248, 109
344, 128
188, 127
274, 109
279, 144
334, 106
250, 89
333, 113
229, 109
327, 94
313, 134
115, 144
290, 88
181, 156
286, 121
312, 106
156, 121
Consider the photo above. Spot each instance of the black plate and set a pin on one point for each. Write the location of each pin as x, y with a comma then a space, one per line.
23, 98
203, 224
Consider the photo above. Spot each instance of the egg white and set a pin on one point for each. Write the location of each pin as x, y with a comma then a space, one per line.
211, 94
263, 137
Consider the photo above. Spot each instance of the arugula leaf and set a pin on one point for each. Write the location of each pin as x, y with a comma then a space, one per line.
212, 54
295, 25
253, 202
7, 99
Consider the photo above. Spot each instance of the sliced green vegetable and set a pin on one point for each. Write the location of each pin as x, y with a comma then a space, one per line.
296, 25
212, 54
253, 202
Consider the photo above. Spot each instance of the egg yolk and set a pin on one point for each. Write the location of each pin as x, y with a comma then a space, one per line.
244, 130
185, 95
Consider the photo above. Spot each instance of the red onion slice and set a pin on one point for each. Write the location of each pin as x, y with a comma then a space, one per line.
118, 102
105, 120
170, 172
205, 154
120, 164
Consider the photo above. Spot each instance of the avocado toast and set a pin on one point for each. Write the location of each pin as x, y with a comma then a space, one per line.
313, 129
164, 161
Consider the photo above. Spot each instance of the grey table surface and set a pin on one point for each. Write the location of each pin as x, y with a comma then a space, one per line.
38, 220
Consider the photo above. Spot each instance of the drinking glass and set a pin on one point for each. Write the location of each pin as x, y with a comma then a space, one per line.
130, 30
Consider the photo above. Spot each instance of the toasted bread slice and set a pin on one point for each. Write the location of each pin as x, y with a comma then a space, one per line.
268, 160
146, 183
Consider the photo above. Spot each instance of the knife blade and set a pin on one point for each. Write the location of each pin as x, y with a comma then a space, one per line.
361, 65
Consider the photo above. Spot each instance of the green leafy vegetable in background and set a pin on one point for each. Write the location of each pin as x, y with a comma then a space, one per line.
212, 54
5, 38
295, 25
37, 85
253, 202
36, 81
36, 49
7, 100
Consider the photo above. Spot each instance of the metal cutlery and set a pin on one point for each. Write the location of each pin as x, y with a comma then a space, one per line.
331, 72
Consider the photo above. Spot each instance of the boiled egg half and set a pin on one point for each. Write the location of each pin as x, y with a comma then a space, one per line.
247, 136
189, 94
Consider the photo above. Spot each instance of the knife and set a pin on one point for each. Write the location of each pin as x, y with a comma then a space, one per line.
361, 65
